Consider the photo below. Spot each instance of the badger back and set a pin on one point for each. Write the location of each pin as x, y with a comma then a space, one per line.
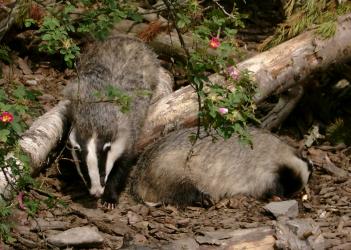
221, 169
102, 132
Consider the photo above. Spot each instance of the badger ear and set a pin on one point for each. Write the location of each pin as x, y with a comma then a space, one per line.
107, 146
73, 140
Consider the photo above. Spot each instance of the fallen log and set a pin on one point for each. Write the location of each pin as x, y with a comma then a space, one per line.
44, 134
274, 70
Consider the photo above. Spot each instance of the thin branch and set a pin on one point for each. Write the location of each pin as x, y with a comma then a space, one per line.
223, 9
169, 8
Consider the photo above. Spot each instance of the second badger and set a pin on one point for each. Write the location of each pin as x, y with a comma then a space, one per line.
101, 133
217, 170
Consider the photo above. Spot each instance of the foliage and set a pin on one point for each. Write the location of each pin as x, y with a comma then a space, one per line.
14, 164
16, 103
115, 95
228, 111
4, 54
305, 15
213, 51
5, 224
339, 131
63, 21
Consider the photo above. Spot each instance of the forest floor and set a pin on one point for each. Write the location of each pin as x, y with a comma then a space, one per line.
136, 226
132, 225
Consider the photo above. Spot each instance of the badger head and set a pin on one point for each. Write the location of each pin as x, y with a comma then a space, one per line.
94, 158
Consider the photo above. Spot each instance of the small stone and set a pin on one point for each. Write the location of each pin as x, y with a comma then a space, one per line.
46, 98
32, 82
183, 222
283, 208
140, 239
133, 218
23, 65
79, 236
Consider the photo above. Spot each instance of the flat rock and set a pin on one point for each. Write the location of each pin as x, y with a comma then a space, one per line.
288, 208
253, 238
182, 244
79, 236
42, 225
299, 234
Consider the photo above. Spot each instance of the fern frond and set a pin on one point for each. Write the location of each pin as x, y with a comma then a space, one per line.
304, 15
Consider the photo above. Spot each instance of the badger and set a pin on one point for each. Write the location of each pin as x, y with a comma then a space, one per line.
103, 135
173, 171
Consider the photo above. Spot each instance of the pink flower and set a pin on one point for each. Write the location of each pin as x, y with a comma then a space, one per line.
233, 72
223, 111
6, 117
215, 43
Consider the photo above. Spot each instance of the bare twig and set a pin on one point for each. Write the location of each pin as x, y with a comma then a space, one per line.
223, 9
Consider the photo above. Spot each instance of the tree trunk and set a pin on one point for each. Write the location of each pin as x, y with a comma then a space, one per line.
274, 70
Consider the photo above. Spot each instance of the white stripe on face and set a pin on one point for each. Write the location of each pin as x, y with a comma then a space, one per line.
75, 145
117, 149
92, 163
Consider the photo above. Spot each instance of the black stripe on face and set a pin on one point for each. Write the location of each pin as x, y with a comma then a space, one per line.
82, 156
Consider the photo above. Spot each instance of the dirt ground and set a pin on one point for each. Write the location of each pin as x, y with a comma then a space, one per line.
137, 226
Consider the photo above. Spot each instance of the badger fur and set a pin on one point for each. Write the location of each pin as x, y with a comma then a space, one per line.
217, 169
101, 133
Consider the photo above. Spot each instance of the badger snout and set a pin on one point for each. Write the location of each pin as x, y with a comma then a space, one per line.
96, 192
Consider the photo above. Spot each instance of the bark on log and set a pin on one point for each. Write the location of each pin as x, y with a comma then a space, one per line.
287, 102
275, 71
44, 135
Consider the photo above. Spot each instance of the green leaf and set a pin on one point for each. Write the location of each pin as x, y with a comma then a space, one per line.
20, 92
17, 127
3, 95
133, 15
46, 37
4, 133
29, 22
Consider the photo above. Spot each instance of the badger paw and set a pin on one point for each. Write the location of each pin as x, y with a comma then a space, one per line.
109, 200
109, 205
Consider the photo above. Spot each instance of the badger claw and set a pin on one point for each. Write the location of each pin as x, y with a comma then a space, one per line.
109, 206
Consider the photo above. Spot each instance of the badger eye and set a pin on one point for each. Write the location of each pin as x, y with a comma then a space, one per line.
107, 146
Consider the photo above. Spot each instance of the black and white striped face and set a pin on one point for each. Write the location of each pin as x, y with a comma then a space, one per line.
94, 159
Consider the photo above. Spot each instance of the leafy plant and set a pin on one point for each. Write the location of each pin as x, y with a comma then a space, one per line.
55, 38
5, 223
63, 21
5, 54
339, 131
305, 15
115, 95
14, 164
226, 110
